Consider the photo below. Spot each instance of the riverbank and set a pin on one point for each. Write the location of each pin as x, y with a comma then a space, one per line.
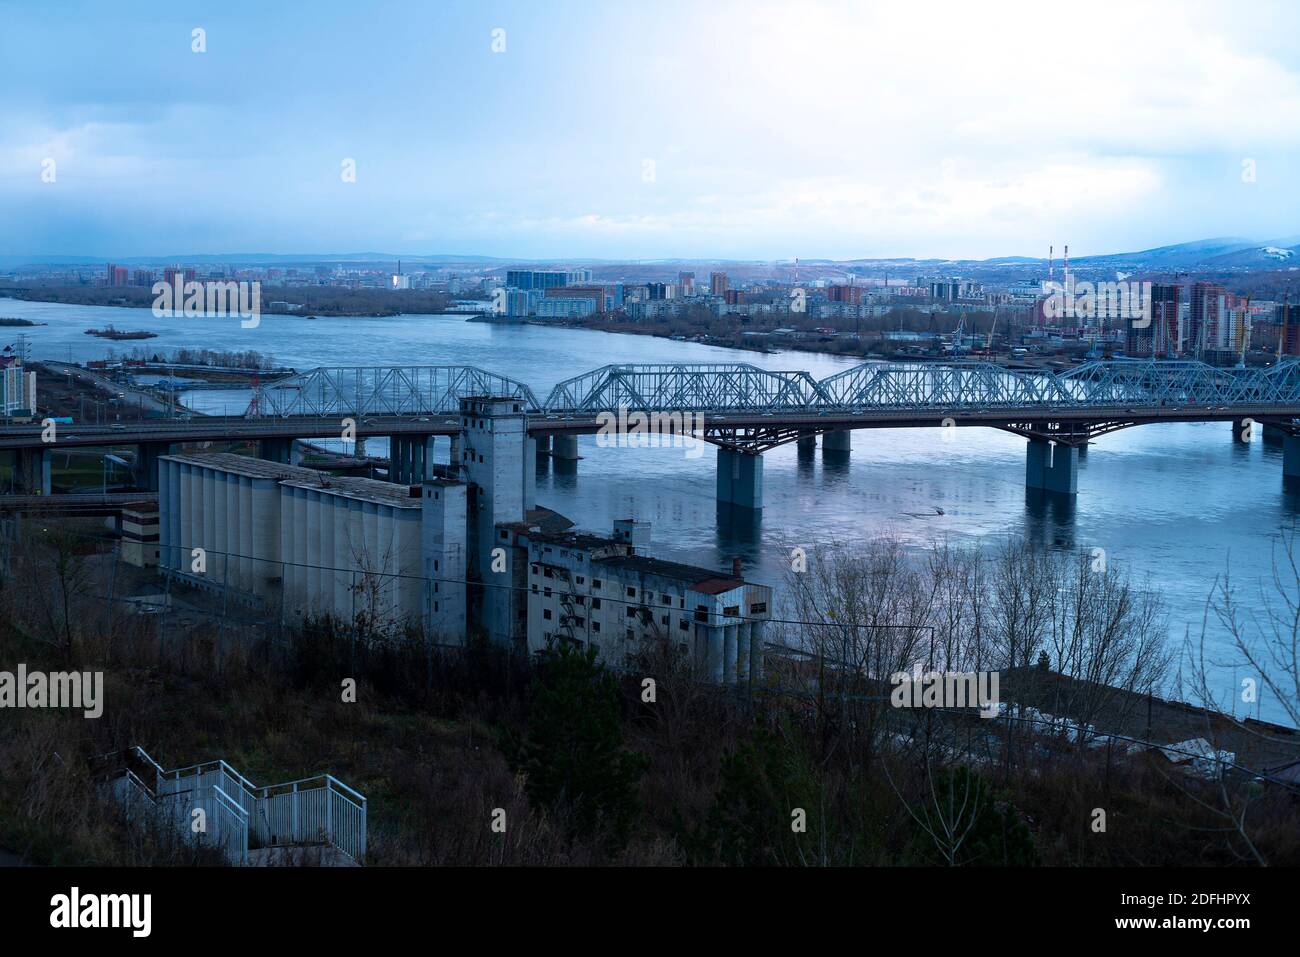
307, 302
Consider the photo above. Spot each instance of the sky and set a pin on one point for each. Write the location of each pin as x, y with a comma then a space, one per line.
645, 129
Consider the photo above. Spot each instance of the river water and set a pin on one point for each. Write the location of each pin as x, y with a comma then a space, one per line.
1178, 505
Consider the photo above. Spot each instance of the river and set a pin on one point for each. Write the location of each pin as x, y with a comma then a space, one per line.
1172, 503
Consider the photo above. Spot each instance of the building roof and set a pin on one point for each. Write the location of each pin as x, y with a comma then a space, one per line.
705, 580
241, 465
364, 489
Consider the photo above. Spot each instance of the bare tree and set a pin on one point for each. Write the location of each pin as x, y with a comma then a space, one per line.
1106, 635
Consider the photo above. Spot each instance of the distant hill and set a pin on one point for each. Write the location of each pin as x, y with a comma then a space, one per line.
1225, 252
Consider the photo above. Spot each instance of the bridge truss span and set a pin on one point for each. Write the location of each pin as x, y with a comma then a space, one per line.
686, 387
955, 385
382, 390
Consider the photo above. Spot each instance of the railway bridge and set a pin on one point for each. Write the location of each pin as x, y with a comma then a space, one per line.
740, 408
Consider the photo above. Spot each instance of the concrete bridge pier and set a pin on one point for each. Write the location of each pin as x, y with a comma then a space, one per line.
284, 451
841, 441
1052, 467
430, 456
543, 443
1291, 460
740, 478
807, 440
1245, 431
32, 471
566, 448
407, 459
398, 460
145, 473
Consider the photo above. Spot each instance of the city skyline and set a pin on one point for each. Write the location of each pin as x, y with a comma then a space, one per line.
741, 132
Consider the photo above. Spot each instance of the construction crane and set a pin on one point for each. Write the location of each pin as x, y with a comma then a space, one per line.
954, 346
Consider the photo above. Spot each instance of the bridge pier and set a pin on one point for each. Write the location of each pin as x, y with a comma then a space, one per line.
408, 458
32, 471
1052, 467
740, 478
543, 442
841, 441
1245, 431
566, 448
1291, 459
145, 473
284, 451
1273, 435
807, 440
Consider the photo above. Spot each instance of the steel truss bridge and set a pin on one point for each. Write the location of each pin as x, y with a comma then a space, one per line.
752, 409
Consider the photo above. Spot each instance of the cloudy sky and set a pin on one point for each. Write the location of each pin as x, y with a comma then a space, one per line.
645, 128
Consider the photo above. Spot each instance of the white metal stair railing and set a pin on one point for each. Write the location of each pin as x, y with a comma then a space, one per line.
240, 815
225, 822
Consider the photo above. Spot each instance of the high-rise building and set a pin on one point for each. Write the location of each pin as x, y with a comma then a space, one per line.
17, 387
1288, 328
115, 275
717, 283
1208, 312
686, 282
535, 279
1160, 337
851, 294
